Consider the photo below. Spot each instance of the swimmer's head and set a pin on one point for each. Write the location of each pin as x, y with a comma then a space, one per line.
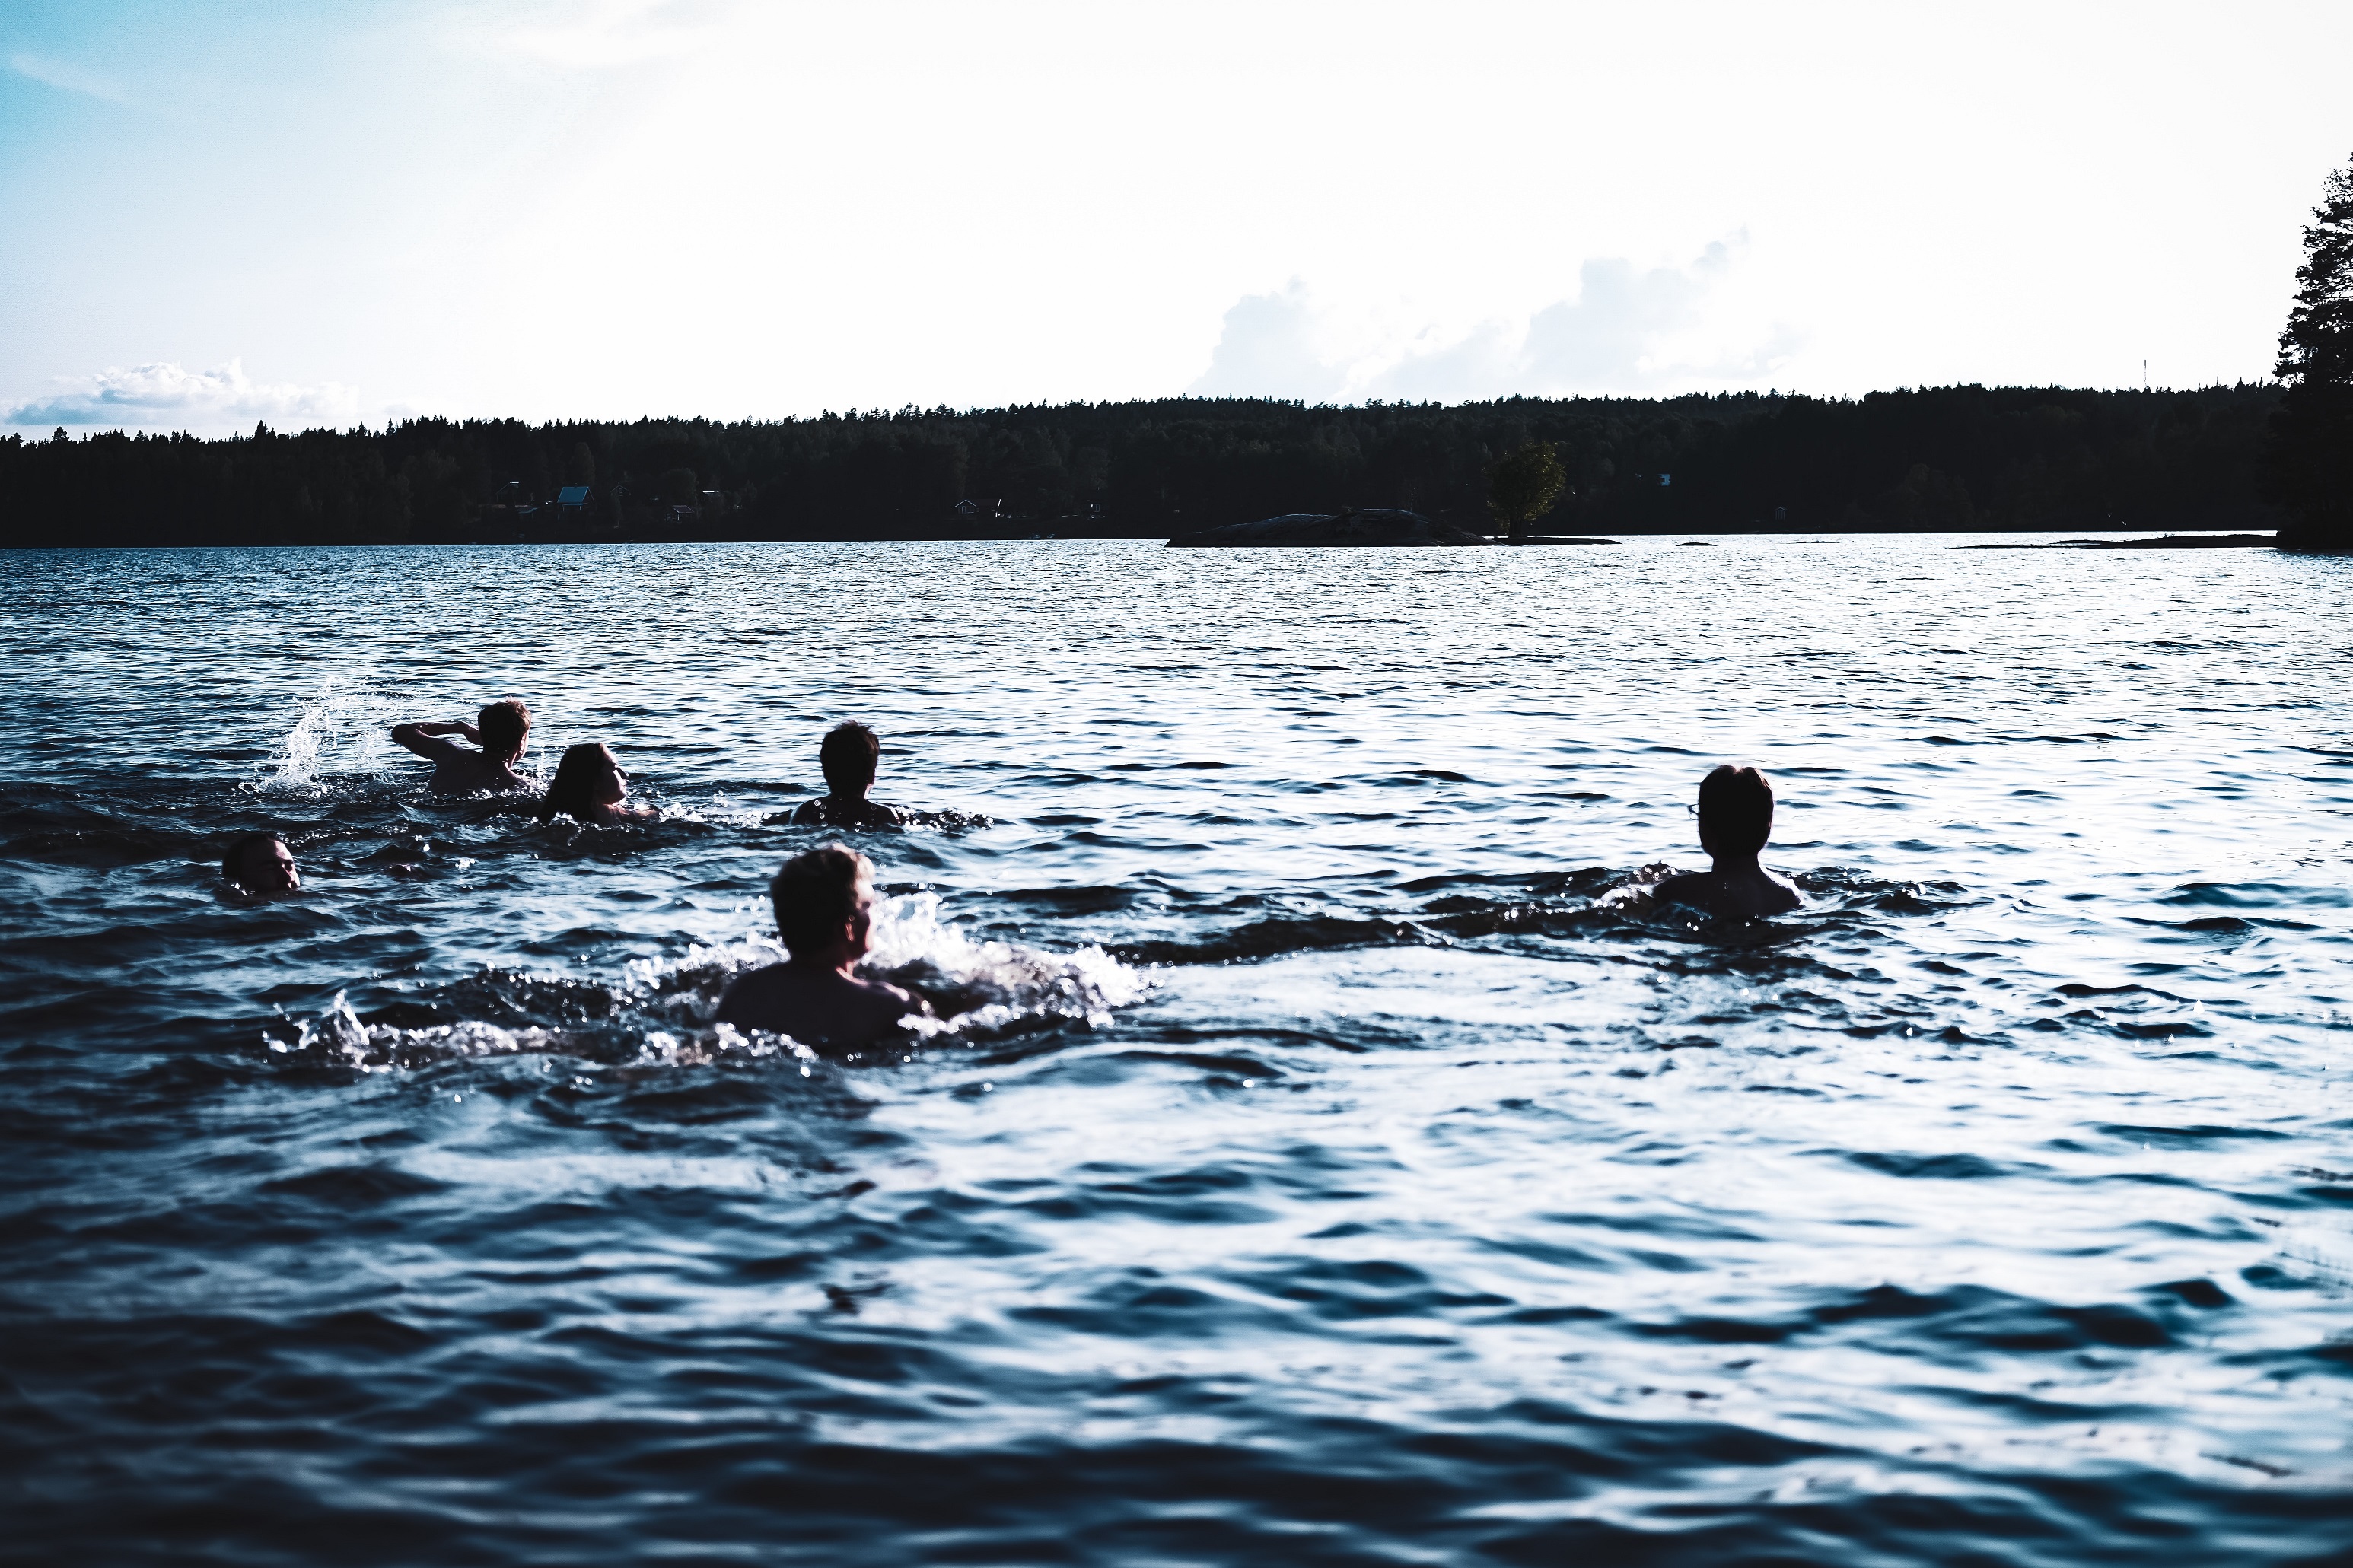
260, 863
849, 756
1735, 811
823, 898
503, 725
589, 776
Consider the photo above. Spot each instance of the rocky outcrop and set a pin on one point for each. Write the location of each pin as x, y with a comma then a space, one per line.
1372, 526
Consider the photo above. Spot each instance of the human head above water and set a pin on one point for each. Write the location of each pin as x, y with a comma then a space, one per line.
821, 897
849, 756
260, 863
502, 727
1735, 811
588, 776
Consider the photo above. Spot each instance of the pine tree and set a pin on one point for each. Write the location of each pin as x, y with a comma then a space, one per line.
2309, 467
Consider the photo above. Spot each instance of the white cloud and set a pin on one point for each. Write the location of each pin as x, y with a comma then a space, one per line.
1274, 345
67, 77
204, 401
1625, 330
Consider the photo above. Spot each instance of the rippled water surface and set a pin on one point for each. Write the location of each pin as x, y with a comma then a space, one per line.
1320, 1167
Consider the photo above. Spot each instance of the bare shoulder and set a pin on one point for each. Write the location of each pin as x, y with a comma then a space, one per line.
751, 996
1693, 889
885, 995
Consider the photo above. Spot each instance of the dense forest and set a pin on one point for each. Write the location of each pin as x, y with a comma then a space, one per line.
1935, 458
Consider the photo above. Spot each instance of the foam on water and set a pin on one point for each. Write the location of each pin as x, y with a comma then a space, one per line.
339, 1033
994, 986
660, 1009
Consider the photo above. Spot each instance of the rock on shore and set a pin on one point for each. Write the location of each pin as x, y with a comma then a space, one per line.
1374, 526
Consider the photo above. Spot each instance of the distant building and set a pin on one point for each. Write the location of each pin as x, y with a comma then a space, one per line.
571, 499
974, 511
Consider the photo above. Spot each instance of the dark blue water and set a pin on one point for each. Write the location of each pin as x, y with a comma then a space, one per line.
1321, 1166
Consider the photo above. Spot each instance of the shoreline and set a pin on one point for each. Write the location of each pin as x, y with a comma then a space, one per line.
2163, 541
2216, 540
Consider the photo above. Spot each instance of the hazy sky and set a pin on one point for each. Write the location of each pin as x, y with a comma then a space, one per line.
315, 214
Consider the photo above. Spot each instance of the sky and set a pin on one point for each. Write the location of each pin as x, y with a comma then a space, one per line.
327, 214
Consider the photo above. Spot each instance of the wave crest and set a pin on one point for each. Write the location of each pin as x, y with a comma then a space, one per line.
991, 987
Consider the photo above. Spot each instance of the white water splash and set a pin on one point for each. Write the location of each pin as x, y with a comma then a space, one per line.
996, 985
343, 730
700, 1046
380, 1047
1001, 983
1016, 984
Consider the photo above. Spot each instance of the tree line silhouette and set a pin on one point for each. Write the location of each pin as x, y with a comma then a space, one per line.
1960, 458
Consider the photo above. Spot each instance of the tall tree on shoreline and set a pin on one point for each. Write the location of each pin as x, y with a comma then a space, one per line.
1523, 485
2309, 464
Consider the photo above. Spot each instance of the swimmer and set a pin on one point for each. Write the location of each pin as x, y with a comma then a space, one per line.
849, 755
824, 902
260, 863
590, 787
499, 730
1735, 817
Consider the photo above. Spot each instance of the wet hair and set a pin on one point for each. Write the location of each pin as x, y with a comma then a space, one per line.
242, 850
815, 893
503, 726
849, 756
1735, 809
572, 791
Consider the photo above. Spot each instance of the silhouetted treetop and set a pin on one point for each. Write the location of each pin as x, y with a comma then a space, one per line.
2309, 466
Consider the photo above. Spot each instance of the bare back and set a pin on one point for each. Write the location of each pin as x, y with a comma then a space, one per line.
816, 1006
1750, 893
459, 770
835, 811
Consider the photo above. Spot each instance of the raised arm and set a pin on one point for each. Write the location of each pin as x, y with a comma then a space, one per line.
420, 739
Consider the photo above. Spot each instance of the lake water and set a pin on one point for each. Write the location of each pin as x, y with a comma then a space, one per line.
1320, 1170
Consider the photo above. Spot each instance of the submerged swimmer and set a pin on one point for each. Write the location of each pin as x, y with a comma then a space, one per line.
1735, 818
260, 863
499, 730
824, 902
850, 756
590, 786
